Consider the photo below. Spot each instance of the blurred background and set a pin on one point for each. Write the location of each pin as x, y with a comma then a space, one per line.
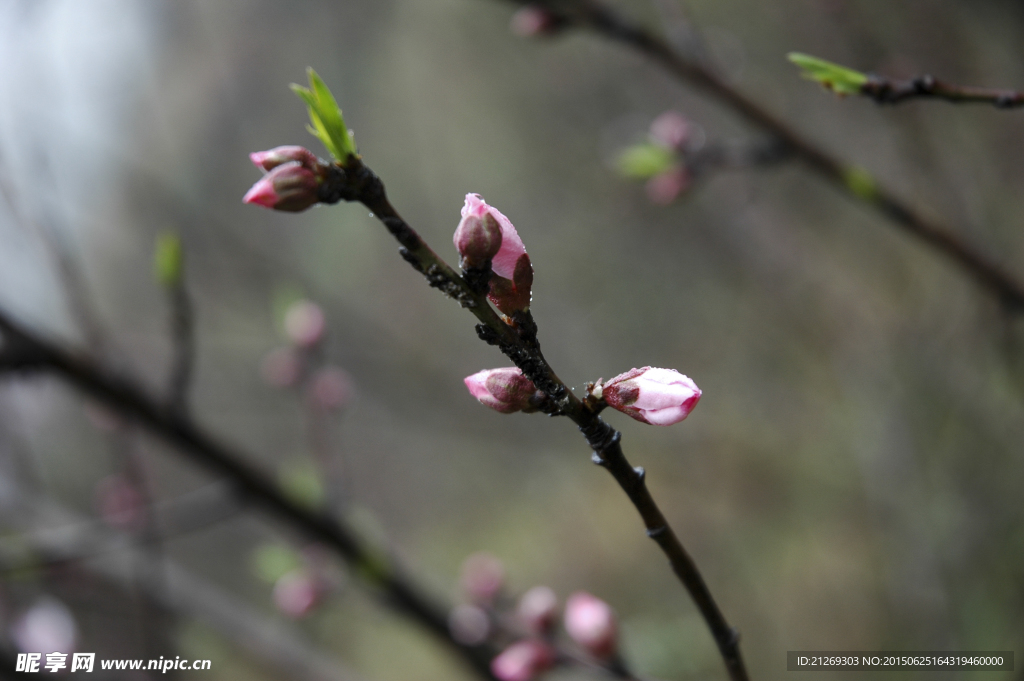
850, 481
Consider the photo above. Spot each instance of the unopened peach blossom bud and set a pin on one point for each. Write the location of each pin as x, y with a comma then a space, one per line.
590, 622
659, 397
505, 390
290, 187
120, 503
268, 160
330, 388
304, 323
297, 593
537, 610
477, 239
532, 21
281, 367
523, 661
671, 129
512, 272
666, 187
483, 577
469, 624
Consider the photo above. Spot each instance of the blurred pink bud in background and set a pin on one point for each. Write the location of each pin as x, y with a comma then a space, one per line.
671, 129
120, 503
482, 579
330, 388
268, 160
505, 390
590, 622
523, 661
289, 187
659, 397
469, 624
538, 609
48, 626
532, 21
281, 367
297, 593
664, 188
304, 323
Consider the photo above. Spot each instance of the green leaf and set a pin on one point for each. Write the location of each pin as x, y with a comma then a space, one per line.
328, 125
271, 562
861, 183
645, 160
167, 259
838, 79
303, 484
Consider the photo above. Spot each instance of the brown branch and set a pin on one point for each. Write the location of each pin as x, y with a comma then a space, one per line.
891, 91
972, 259
25, 351
517, 339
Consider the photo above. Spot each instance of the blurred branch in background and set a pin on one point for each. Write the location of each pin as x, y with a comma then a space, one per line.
60, 537
970, 257
24, 352
846, 81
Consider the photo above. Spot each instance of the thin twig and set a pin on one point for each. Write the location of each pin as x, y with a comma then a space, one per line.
184, 343
26, 351
891, 91
518, 341
974, 260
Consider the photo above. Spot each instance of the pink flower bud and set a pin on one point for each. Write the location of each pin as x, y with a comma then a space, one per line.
532, 21
47, 626
664, 188
537, 609
671, 129
523, 661
482, 577
268, 160
330, 388
469, 624
659, 397
120, 504
477, 239
591, 624
512, 276
281, 367
289, 187
504, 390
297, 593
304, 323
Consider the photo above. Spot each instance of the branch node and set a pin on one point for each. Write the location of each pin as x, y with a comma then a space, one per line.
597, 460
641, 474
487, 334
656, 532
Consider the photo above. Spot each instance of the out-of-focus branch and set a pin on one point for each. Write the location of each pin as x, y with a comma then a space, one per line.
169, 265
517, 339
890, 91
972, 259
61, 537
25, 351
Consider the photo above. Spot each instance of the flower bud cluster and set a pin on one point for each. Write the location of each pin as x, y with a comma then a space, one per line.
300, 363
589, 622
292, 180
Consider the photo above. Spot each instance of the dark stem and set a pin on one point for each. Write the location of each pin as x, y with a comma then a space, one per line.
890, 91
971, 258
517, 339
184, 345
24, 351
